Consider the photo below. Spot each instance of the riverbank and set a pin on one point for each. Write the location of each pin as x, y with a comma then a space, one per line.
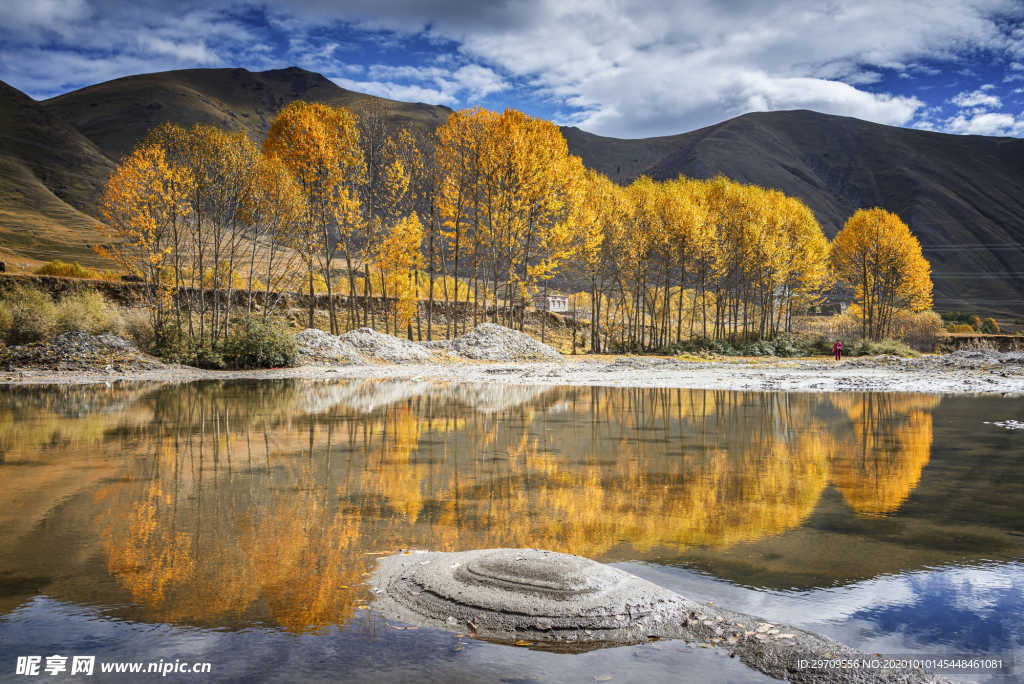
964, 372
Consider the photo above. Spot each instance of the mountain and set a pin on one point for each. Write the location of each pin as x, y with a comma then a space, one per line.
51, 178
118, 113
963, 196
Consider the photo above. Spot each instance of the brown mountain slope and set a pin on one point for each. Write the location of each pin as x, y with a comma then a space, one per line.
117, 113
51, 177
962, 195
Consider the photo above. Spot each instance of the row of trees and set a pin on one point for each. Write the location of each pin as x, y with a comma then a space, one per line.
487, 210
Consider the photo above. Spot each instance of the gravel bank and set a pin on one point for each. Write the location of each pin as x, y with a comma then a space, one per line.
491, 342
78, 351
965, 372
317, 346
378, 346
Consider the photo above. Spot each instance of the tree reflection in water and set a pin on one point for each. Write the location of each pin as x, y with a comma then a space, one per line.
266, 502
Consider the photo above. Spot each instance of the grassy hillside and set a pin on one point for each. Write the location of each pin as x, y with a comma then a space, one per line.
962, 195
51, 177
117, 113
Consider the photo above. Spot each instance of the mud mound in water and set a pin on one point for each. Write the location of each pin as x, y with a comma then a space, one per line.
491, 342
319, 346
375, 345
572, 603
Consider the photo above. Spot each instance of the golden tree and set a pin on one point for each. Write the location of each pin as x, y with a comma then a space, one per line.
398, 256
275, 213
877, 256
145, 205
320, 144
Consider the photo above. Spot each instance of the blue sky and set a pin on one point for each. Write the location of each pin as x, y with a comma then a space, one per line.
625, 68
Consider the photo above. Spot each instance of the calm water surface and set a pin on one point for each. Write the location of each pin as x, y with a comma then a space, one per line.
236, 523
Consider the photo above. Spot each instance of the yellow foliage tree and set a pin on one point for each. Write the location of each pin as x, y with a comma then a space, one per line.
145, 204
320, 145
877, 256
398, 256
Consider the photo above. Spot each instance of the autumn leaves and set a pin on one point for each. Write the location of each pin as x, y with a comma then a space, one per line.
494, 209
877, 257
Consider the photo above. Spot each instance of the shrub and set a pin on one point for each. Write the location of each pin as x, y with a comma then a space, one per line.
64, 269
887, 347
32, 315
960, 328
974, 322
255, 344
137, 325
989, 326
920, 330
783, 345
170, 345
208, 357
957, 316
89, 312
6, 318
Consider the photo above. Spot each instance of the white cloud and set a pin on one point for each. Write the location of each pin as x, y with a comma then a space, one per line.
979, 99
398, 91
985, 123
33, 15
431, 84
195, 52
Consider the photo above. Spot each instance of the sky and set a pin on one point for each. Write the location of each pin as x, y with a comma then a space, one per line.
622, 68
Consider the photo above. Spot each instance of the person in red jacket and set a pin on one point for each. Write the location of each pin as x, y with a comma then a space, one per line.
837, 350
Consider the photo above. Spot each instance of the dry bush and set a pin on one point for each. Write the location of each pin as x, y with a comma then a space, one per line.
843, 326
89, 312
137, 325
32, 315
960, 328
920, 330
6, 318
990, 327
64, 269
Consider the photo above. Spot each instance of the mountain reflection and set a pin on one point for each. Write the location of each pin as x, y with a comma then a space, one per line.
266, 502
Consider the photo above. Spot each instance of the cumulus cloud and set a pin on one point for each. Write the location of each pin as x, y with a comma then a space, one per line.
979, 99
431, 84
398, 91
986, 123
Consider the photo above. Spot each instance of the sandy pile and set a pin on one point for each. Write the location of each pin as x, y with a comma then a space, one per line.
491, 342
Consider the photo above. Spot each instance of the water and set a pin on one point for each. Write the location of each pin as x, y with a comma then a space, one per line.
235, 523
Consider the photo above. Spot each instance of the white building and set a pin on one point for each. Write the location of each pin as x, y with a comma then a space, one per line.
555, 303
